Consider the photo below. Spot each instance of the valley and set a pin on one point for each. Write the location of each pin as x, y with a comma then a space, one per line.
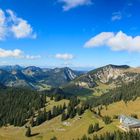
67, 111
69, 70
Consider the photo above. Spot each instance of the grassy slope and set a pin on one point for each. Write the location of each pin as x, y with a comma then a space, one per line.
78, 127
55, 127
132, 107
133, 70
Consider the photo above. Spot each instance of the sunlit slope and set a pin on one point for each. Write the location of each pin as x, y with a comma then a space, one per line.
129, 108
77, 128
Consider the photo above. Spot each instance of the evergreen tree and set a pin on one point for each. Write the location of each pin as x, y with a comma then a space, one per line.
48, 115
17, 105
54, 138
90, 129
64, 106
72, 113
54, 111
51, 98
96, 127
28, 132
64, 116
80, 111
99, 112
107, 120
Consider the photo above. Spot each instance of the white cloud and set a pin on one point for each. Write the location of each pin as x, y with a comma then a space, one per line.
20, 27
2, 25
16, 53
10, 53
22, 30
64, 56
2, 17
10, 24
116, 16
121, 41
117, 42
99, 40
69, 4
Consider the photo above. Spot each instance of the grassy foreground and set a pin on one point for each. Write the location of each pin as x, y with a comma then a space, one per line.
72, 128
129, 108
76, 128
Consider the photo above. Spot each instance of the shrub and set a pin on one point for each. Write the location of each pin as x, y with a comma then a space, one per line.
107, 120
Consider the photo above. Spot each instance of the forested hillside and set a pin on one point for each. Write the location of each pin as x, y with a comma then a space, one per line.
126, 92
18, 104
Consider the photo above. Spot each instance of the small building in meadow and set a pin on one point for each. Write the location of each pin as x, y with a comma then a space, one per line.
129, 123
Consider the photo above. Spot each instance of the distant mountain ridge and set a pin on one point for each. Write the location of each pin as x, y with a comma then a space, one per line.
43, 78
35, 77
11, 67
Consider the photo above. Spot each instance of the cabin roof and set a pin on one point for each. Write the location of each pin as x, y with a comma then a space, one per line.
129, 121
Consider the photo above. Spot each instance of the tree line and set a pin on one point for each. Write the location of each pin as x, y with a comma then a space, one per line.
47, 115
125, 92
66, 112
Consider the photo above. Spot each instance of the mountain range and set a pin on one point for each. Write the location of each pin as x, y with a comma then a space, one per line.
35, 77
42, 78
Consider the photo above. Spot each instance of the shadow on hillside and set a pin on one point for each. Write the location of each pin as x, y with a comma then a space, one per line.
35, 134
101, 128
78, 91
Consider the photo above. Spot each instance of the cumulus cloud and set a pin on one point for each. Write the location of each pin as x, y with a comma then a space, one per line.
99, 39
16, 53
10, 24
64, 56
69, 4
116, 16
10, 53
2, 25
116, 41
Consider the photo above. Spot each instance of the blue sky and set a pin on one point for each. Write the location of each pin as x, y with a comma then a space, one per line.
74, 33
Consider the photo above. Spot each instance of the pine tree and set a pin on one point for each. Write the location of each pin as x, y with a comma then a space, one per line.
48, 115
99, 112
79, 111
28, 132
107, 120
54, 111
90, 129
64, 106
64, 116
54, 138
51, 98
96, 127
73, 113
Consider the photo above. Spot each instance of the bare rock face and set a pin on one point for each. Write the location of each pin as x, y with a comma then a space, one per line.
110, 74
